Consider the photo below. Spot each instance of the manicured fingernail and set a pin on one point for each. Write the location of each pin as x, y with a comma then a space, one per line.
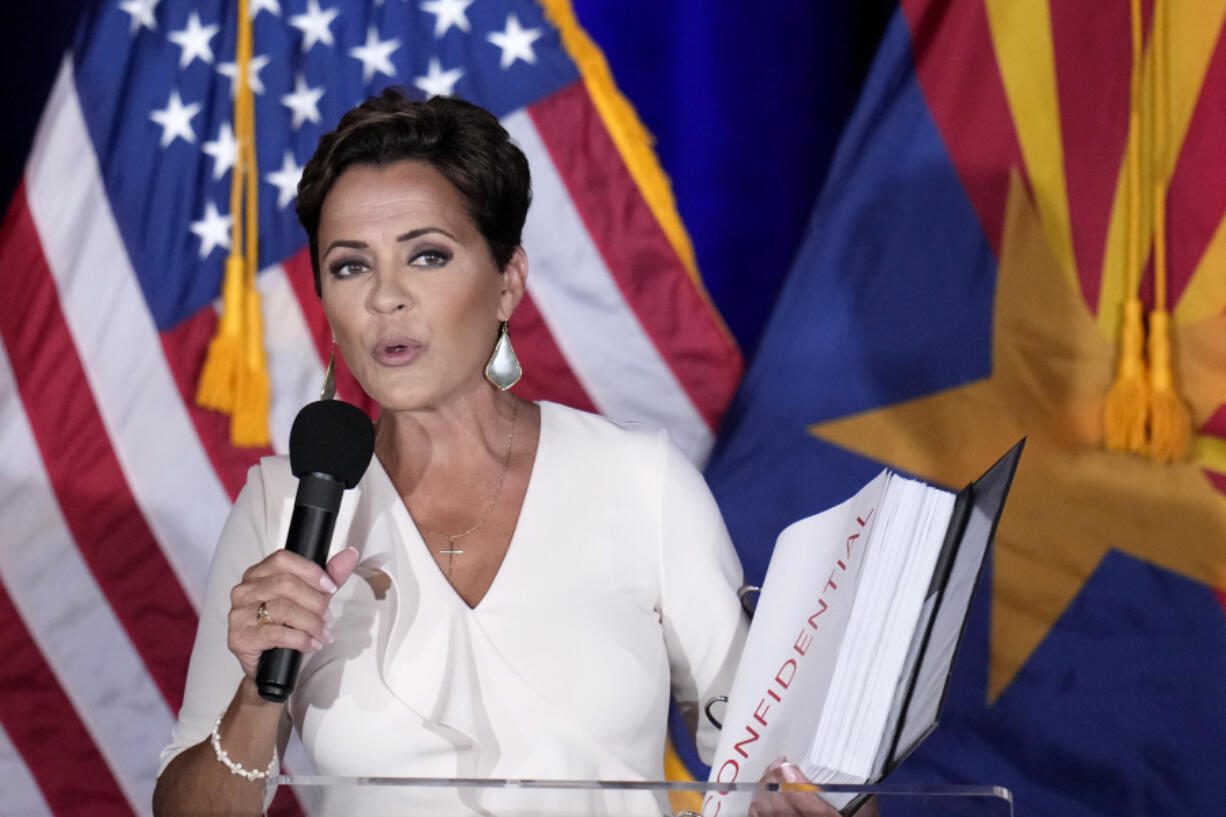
328, 639
327, 584
328, 618
315, 645
792, 774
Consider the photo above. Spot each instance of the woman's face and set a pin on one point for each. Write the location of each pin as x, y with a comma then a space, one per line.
408, 285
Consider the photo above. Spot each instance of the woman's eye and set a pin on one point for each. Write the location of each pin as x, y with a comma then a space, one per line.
347, 268
430, 258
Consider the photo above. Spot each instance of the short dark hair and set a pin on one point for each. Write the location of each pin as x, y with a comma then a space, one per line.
462, 141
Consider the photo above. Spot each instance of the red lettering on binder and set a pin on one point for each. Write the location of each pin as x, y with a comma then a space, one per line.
822, 607
803, 640
775, 691
754, 737
789, 666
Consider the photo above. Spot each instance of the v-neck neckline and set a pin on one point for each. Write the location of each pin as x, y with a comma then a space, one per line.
415, 544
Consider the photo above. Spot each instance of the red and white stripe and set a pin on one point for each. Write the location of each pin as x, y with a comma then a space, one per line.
119, 347
71, 631
608, 348
22, 796
295, 371
113, 485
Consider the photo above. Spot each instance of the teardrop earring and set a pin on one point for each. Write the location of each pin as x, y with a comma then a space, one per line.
328, 392
503, 369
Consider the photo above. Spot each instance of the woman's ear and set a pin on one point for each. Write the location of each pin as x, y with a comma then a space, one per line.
514, 280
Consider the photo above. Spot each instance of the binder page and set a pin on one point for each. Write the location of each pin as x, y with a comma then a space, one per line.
937, 661
785, 668
899, 560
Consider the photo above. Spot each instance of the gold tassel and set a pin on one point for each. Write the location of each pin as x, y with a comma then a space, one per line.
1170, 424
218, 385
249, 421
1128, 399
235, 375
1127, 404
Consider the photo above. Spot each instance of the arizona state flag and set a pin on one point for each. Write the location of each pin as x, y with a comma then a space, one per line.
961, 286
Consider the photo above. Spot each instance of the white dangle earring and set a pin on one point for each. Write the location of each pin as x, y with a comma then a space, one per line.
503, 369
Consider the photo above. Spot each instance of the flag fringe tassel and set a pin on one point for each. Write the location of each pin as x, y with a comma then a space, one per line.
1170, 426
1127, 403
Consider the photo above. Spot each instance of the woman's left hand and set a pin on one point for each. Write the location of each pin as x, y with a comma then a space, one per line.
788, 803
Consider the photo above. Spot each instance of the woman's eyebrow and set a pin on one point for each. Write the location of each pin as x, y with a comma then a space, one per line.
409, 236
420, 231
353, 245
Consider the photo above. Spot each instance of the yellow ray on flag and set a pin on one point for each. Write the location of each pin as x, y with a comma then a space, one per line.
1192, 31
1071, 500
1022, 40
1204, 296
1209, 452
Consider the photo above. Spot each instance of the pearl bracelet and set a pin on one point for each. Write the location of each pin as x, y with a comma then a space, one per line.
224, 757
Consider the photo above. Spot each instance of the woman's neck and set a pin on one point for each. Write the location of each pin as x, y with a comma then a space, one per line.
455, 438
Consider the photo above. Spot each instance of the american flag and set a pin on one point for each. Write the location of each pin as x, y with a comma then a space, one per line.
113, 484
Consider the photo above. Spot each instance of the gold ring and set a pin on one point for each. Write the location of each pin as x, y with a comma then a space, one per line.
262, 615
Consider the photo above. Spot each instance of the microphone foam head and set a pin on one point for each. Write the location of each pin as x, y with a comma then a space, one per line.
331, 437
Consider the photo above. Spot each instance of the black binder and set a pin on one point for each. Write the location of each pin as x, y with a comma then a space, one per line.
921, 694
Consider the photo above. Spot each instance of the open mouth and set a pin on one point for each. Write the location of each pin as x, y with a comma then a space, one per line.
397, 351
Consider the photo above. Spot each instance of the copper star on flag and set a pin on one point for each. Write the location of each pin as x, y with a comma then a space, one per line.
1071, 500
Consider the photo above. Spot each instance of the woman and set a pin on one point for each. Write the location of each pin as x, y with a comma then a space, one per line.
514, 587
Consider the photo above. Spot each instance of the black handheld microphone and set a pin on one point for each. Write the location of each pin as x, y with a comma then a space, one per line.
330, 445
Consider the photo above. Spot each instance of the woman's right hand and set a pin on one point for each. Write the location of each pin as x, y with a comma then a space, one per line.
788, 803
295, 592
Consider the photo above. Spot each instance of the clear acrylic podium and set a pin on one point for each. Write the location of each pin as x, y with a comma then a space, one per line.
429, 797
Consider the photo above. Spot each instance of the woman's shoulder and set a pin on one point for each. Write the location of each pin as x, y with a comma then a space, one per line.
274, 475
583, 428
270, 481
624, 452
